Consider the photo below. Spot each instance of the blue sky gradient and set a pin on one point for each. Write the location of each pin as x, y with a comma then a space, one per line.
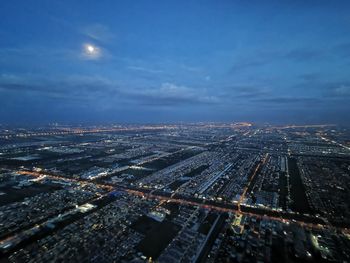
172, 61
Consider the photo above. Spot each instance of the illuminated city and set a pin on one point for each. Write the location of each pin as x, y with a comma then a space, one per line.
183, 131
175, 193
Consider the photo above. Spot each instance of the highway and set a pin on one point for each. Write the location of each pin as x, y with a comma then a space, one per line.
334, 142
283, 216
82, 131
24, 236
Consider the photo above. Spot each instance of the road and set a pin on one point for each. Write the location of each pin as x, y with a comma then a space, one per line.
68, 131
240, 209
241, 199
283, 216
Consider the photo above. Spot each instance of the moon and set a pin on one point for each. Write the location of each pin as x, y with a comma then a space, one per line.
91, 51
90, 48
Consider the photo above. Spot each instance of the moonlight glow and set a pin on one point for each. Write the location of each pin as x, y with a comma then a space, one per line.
91, 51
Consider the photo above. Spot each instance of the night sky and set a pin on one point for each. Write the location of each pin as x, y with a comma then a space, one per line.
173, 61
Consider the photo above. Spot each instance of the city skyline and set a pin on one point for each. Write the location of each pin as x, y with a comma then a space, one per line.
174, 62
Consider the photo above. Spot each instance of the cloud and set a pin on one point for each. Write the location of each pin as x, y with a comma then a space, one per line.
171, 94
342, 90
265, 57
337, 90
98, 32
342, 50
33, 53
244, 91
94, 89
247, 64
72, 87
303, 54
251, 91
310, 76
91, 52
289, 100
29, 58
146, 70
190, 68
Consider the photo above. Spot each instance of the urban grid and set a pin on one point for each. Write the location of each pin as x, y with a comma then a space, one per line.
204, 192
